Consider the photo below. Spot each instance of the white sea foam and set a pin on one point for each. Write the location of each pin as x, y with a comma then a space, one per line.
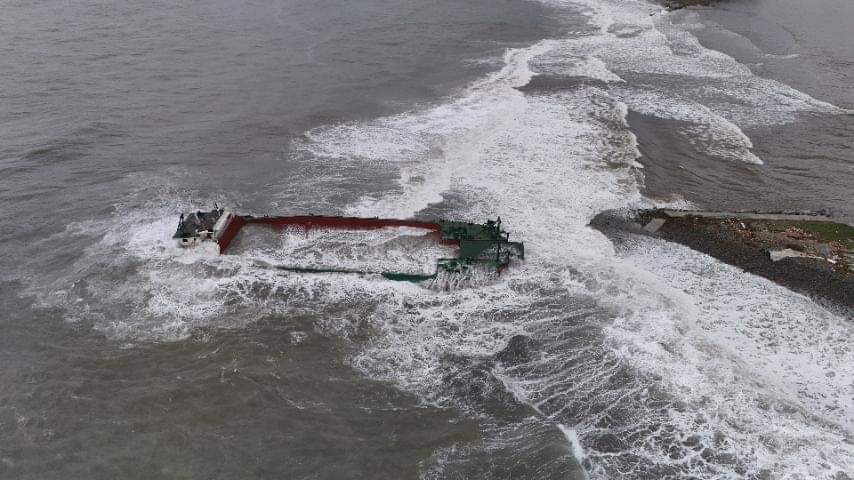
778, 340
572, 437
562, 63
668, 74
771, 370
137, 283
431, 148
400, 250
549, 161
761, 377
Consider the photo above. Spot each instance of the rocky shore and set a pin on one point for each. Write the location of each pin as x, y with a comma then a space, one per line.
808, 253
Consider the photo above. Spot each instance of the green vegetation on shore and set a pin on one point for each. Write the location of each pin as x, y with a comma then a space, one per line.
828, 231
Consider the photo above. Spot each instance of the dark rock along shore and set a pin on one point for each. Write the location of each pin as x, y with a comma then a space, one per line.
747, 242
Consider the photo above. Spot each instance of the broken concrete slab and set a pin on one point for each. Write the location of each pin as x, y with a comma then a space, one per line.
654, 225
777, 255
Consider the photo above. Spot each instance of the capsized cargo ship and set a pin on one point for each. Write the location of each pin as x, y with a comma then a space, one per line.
477, 245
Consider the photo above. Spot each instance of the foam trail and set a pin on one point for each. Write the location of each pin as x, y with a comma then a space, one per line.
433, 148
572, 437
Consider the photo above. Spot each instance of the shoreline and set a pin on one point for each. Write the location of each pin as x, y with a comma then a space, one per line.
809, 254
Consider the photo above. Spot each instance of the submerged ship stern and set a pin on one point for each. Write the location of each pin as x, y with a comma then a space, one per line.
196, 227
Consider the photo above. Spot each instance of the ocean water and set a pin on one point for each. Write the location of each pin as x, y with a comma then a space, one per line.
124, 356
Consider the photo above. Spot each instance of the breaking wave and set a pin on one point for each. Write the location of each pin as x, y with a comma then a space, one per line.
652, 361
671, 366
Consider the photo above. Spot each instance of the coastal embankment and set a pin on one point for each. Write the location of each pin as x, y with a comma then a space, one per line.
807, 252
